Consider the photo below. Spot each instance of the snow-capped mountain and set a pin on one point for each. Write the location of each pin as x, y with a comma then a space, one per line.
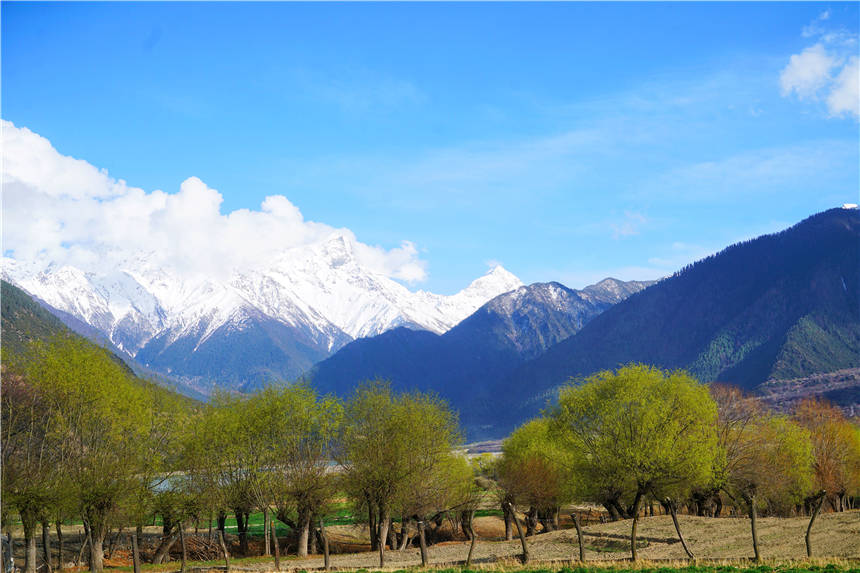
304, 305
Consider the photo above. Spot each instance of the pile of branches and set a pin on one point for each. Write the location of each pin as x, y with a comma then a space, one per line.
198, 548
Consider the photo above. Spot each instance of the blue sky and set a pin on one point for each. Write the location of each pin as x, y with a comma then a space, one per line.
566, 141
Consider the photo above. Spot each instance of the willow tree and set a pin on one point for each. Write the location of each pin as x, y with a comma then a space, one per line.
774, 471
835, 449
298, 428
533, 471
835, 457
445, 489
226, 459
30, 448
388, 440
162, 449
638, 431
101, 415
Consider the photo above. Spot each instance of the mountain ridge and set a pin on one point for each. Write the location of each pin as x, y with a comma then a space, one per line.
731, 317
461, 363
268, 323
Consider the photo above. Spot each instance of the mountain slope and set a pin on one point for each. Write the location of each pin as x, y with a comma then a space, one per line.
464, 364
23, 320
779, 306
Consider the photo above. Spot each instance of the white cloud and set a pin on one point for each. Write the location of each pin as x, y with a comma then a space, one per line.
629, 225
57, 209
807, 73
826, 70
844, 98
814, 28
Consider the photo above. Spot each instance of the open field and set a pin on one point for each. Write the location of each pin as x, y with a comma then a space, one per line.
835, 536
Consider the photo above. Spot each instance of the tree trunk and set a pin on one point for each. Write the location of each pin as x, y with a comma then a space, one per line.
404, 533
578, 527
619, 511
819, 500
111, 539
392, 535
274, 533
163, 550
224, 549
545, 519
210, 527
313, 542
753, 515
326, 559
29, 547
85, 542
637, 501
60, 564
673, 509
473, 537
531, 521
304, 524
135, 551
525, 556
267, 549
371, 523
242, 527
384, 520
46, 545
97, 543
422, 542
509, 526
184, 549
612, 510
275, 546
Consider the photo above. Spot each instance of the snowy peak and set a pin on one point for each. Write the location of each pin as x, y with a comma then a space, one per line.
319, 297
498, 280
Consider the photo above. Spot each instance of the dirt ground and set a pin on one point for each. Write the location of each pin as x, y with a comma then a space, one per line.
835, 535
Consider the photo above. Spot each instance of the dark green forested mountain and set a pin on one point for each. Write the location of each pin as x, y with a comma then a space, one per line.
465, 364
780, 306
23, 320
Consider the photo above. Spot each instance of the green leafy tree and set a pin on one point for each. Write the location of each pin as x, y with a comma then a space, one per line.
100, 416
226, 459
775, 471
533, 471
764, 462
298, 429
446, 489
31, 483
635, 432
387, 441
835, 449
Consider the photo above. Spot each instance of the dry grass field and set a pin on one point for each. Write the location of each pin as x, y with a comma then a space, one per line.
836, 535
727, 539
